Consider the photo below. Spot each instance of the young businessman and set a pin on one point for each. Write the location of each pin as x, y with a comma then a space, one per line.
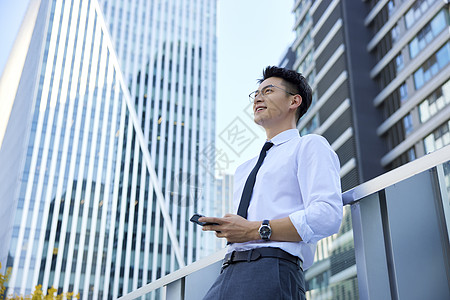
286, 199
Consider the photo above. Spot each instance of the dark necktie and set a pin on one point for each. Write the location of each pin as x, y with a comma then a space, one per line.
250, 183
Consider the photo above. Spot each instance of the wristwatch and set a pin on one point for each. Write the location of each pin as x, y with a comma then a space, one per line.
265, 231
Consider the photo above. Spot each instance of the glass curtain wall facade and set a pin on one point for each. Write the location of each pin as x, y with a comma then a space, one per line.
379, 72
95, 207
167, 53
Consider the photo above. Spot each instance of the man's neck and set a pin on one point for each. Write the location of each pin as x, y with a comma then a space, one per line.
272, 132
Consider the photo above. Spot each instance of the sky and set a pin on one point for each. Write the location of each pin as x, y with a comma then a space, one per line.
11, 15
251, 34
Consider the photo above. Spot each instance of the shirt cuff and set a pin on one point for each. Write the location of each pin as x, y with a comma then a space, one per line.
298, 219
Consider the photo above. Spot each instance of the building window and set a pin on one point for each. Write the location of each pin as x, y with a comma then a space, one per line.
408, 124
438, 139
411, 154
15, 232
435, 102
387, 75
300, 9
403, 92
416, 11
306, 21
399, 62
314, 99
391, 7
384, 46
395, 33
428, 33
22, 261
311, 77
304, 44
311, 126
432, 66
396, 134
392, 103
306, 63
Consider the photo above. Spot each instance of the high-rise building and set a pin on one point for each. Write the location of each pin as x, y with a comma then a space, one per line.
380, 74
224, 195
323, 51
365, 68
410, 41
224, 200
103, 157
167, 53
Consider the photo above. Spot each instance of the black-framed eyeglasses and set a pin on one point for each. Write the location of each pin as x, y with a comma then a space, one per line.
267, 90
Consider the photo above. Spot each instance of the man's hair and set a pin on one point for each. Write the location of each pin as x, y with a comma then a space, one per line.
295, 83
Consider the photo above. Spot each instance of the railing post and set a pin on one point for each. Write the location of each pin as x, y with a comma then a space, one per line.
370, 252
175, 290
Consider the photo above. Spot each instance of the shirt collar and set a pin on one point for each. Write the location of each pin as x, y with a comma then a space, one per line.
285, 136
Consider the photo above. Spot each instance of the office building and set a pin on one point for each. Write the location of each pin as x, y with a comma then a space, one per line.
167, 53
380, 74
223, 200
224, 195
386, 56
411, 43
288, 60
102, 160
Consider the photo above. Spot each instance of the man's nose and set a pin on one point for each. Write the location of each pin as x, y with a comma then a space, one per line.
258, 98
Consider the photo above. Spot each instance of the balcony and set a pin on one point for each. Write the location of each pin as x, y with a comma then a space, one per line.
401, 227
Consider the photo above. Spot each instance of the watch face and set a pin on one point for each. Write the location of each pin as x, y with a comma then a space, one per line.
264, 231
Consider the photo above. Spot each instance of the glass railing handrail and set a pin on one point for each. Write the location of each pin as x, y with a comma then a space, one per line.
389, 178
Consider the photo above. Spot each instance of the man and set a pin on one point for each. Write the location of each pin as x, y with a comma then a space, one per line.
287, 199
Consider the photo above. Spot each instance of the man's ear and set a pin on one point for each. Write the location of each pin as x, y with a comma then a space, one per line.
296, 101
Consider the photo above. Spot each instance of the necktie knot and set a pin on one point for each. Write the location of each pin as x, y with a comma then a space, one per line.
267, 146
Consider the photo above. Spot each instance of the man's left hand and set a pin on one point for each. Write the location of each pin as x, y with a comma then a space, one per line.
234, 228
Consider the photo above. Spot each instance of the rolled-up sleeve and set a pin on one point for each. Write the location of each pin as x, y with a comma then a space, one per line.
319, 182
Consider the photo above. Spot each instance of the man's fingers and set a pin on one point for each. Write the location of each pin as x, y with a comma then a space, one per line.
211, 220
210, 228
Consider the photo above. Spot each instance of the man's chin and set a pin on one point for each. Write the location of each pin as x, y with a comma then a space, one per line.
258, 121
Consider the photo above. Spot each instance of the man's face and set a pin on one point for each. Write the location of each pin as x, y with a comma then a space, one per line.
271, 105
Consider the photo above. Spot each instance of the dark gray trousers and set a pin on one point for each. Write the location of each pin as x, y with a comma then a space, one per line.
265, 278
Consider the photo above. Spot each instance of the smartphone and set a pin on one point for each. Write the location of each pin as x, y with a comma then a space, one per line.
195, 218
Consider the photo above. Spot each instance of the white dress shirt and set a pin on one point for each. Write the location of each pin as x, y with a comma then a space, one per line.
299, 178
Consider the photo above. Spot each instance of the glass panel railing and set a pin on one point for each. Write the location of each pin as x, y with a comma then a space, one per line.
333, 274
388, 223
